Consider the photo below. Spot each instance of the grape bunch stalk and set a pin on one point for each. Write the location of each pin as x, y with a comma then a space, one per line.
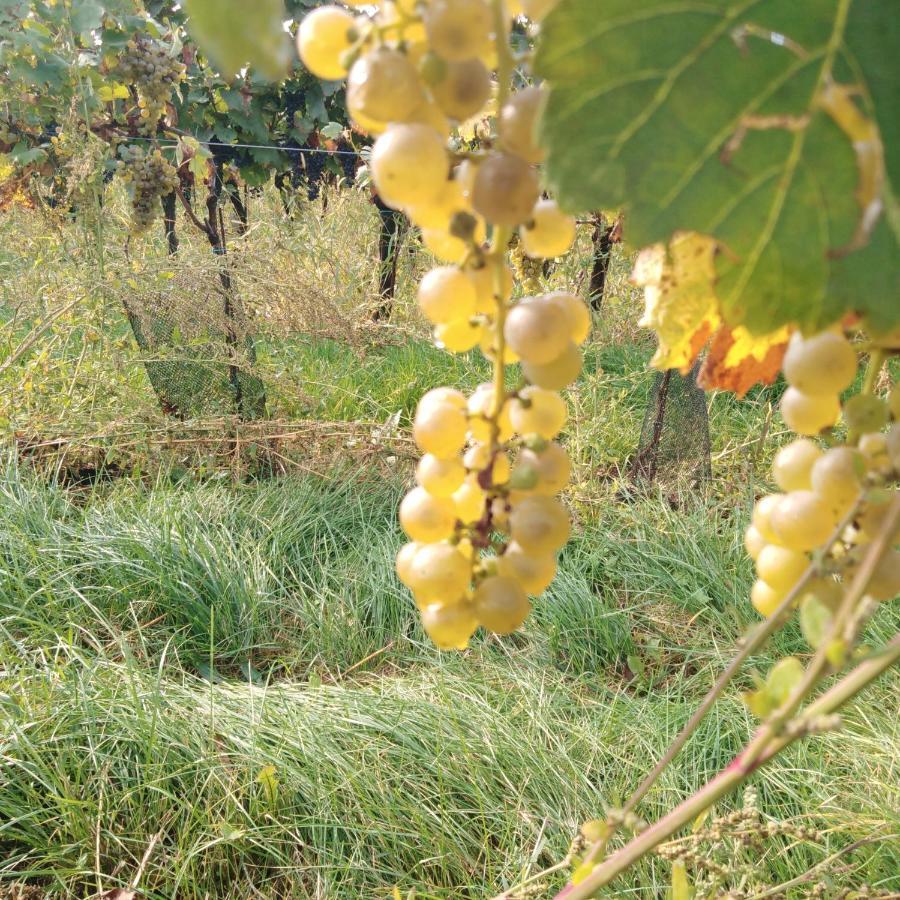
833, 499
155, 73
484, 521
148, 177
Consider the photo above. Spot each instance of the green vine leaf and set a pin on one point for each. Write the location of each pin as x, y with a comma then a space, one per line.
235, 33
767, 125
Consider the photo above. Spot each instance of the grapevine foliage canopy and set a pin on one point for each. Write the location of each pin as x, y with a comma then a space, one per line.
769, 126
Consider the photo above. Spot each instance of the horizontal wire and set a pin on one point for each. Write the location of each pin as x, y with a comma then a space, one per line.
172, 143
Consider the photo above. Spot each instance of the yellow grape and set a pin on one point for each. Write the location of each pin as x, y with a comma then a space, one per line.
551, 466
430, 114
404, 562
440, 429
762, 517
446, 293
802, 520
409, 165
480, 407
765, 598
539, 524
894, 402
425, 518
489, 344
458, 29
436, 215
470, 501
517, 124
384, 86
538, 411
809, 414
464, 88
324, 36
779, 567
754, 542
874, 448
484, 278
465, 174
448, 247
505, 190
439, 572
537, 331
399, 14
533, 571
819, 365
892, 442
450, 625
459, 336
501, 605
837, 478
885, 581
792, 467
549, 232
576, 311
556, 374
478, 457
442, 396
440, 477
500, 510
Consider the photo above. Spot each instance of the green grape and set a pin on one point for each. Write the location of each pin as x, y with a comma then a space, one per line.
505, 190
556, 374
534, 572
549, 232
537, 331
551, 467
425, 518
409, 165
792, 467
450, 625
464, 88
440, 429
439, 572
384, 85
517, 124
865, 412
779, 567
445, 294
754, 542
539, 524
822, 364
440, 477
323, 39
809, 414
803, 521
765, 598
501, 605
458, 29
837, 478
538, 411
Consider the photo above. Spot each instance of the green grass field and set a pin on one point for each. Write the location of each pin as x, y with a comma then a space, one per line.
230, 675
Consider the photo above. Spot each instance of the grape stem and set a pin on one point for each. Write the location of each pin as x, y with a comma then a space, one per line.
773, 735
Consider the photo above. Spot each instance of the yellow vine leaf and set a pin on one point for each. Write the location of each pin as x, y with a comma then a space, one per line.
679, 283
837, 101
679, 295
681, 885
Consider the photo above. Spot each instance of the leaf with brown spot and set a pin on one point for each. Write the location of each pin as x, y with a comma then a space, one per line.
738, 360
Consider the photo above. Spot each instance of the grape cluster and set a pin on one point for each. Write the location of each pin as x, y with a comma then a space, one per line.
155, 72
484, 521
821, 486
148, 177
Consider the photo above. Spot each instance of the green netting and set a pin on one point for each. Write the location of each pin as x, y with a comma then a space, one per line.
674, 441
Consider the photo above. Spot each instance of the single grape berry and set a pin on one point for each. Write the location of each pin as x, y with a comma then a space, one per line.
821, 364
517, 124
505, 190
549, 232
501, 604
